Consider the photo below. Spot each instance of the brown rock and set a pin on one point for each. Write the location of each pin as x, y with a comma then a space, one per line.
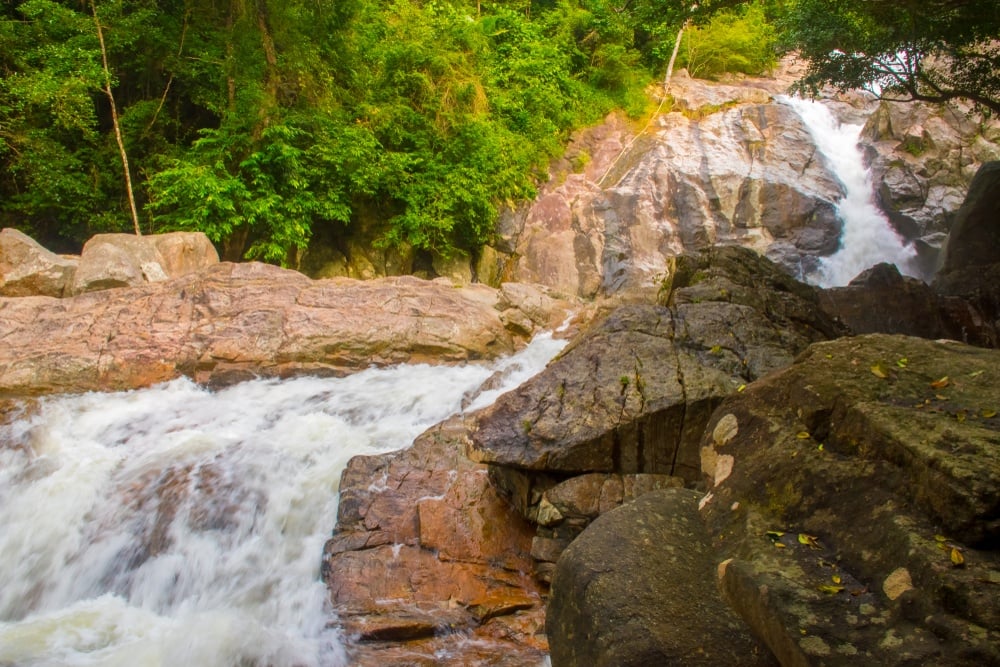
234, 321
441, 552
28, 269
184, 252
881, 300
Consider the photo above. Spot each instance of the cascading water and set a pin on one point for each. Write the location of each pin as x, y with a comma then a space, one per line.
175, 526
867, 237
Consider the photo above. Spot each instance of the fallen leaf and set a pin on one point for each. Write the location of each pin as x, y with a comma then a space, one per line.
975, 374
741, 388
957, 559
878, 372
809, 540
803, 435
941, 383
941, 397
830, 589
940, 538
820, 448
835, 579
780, 545
988, 414
902, 362
774, 535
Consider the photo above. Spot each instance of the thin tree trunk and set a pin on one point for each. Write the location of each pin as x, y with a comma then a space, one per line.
114, 120
663, 98
673, 58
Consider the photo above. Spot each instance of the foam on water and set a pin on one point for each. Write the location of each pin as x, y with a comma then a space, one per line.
867, 237
180, 526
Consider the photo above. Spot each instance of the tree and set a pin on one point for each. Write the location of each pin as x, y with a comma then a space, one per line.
928, 50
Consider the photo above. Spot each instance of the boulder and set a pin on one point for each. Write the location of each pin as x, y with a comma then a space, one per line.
182, 253
638, 588
234, 321
427, 550
854, 503
622, 409
127, 260
971, 267
632, 394
28, 269
881, 300
974, 240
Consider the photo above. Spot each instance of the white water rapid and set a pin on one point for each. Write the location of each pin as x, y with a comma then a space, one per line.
867, 237
181, 527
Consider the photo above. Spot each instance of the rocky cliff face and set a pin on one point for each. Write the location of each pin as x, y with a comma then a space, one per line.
731, 164
923, 158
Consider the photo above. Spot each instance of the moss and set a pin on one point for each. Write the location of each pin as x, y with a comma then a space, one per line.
580, 161
781, 497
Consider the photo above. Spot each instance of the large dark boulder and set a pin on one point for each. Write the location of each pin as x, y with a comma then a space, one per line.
855, 504
974, 239
632, 395
971, 267
637, 588
882, 300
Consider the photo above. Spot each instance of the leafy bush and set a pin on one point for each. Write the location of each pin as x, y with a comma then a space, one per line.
739, 40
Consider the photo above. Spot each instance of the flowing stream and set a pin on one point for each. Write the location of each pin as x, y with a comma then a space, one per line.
867, 237
180, 527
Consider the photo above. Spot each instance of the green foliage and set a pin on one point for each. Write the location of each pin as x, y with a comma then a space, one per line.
262, 123
932, 50
733, 41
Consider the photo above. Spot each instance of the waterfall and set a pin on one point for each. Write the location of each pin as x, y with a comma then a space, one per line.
177, 526
867, 237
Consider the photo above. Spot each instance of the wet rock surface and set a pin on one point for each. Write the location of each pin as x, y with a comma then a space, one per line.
923, 159
855, 499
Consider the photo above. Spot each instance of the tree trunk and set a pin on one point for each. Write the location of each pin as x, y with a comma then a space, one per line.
114, 120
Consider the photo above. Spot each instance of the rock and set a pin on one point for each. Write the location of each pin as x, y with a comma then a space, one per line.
868, 455
975, 237
727, 166
429, 548
923, 157
881, 300
126, 260
971, 268
28, 269
637, 588
621, 410
633, 393
182, 253
234, 321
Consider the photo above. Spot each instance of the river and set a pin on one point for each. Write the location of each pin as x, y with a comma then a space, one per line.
181, 527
